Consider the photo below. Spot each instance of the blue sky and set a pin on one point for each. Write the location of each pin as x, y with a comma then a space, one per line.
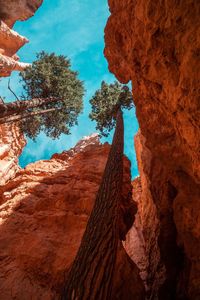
76, 30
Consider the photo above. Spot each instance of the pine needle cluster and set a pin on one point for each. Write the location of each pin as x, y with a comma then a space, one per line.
106, 102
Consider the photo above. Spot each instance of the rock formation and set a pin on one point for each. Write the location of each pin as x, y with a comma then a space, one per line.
43, 215
11, 41
156, 45
11, 140
14, 10
12, 143
44, 208
142, 240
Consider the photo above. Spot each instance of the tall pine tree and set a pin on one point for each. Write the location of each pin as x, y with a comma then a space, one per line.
92, 273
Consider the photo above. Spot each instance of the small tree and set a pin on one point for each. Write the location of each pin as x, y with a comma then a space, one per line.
53, 97
106, 102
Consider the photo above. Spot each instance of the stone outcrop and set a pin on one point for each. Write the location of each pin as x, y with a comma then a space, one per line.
156, 45
12, 10
11, 41
43, 214
12, 143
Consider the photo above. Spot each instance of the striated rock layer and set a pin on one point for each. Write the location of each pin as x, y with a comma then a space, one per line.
12, 143
43, 214
11, 41
156, 45
14, 10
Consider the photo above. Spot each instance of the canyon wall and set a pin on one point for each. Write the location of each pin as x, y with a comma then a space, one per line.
156, 45
12, 143
11, 139
44, 210
10, 43
10, 40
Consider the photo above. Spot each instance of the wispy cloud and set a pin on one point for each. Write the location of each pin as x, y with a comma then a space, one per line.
72, 25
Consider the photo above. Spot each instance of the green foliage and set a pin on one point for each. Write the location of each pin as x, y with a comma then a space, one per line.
51, 76
105, 104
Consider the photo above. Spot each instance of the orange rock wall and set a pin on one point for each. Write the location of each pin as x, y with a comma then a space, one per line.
12, 143
142, 241
11, 41
14, 10
156, 45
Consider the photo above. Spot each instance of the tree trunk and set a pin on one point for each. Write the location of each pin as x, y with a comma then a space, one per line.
12, 108
19, 117
91, 274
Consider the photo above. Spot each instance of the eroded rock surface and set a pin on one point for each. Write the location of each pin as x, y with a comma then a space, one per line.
156, 45
12, 143
141, 241
43, 214
12, 10
11, 41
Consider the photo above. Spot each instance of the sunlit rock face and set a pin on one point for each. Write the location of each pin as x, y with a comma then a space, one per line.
11, 41
12, 143
156, 46
43, 214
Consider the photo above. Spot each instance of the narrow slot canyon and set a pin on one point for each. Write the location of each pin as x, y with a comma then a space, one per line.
154, 46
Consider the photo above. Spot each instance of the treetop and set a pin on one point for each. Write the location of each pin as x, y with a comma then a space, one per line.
106, 102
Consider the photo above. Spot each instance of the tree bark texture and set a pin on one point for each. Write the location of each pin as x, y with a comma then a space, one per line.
20, 117
91, 274
12, 108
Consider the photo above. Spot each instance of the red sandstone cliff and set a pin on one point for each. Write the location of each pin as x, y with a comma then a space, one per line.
12, 143
156, 45
14, 10
43, 215
11, 41
44, 208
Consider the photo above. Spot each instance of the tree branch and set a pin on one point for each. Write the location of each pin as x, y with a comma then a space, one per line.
12, 90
